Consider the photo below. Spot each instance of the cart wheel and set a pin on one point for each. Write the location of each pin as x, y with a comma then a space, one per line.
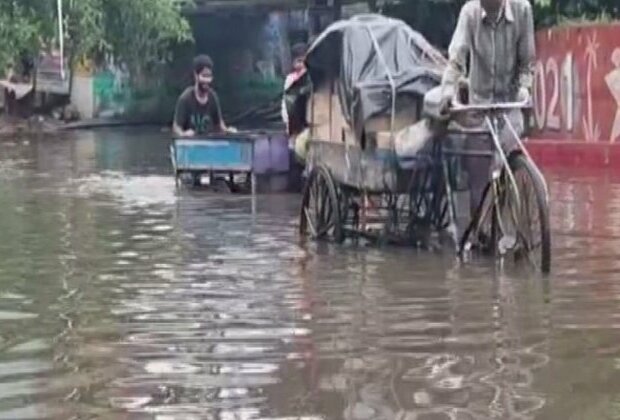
428, 202
529, 215
221, 186
320, 211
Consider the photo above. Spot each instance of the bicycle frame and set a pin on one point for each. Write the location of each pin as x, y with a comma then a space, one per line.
494, 116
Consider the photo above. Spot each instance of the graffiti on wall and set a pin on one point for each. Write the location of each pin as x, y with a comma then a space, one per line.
577, 83
264, 64
613, 82
275, 46
111, 91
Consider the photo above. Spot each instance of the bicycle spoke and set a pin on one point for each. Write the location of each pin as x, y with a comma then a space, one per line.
487, 211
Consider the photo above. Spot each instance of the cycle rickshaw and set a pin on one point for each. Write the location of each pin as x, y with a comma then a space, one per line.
368, 77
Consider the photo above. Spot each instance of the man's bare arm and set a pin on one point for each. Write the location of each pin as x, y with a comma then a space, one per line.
180, 115
179, 132
226, 128
223, 127
176, 130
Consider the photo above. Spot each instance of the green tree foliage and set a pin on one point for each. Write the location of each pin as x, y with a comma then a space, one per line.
141, 32
551, 12
436, 19
21, 29
138, 33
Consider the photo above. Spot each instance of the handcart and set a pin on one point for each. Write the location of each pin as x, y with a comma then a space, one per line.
232, 161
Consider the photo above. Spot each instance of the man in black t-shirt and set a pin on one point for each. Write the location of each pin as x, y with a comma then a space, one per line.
198, 108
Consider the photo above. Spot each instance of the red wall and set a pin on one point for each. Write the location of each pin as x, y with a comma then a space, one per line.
577, 84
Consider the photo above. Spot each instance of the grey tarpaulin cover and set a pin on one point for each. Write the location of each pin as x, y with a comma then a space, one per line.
376, 61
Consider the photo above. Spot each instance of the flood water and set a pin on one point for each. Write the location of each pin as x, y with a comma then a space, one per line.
120, 299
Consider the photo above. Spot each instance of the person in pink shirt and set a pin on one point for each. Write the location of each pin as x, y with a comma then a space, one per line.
297, 134
298, 53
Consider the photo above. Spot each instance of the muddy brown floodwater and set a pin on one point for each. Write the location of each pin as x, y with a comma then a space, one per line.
120, 299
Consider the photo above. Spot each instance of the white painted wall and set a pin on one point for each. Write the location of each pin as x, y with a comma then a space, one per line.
83, 97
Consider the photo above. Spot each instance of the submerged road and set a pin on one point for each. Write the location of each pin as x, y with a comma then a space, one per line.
120, 299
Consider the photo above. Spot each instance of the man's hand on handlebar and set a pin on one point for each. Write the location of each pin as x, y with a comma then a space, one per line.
445, 105
524, 95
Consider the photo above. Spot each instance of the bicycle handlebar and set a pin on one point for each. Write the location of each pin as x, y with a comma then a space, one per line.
490, 108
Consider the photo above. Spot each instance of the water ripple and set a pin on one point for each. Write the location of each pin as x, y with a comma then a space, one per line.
121, 297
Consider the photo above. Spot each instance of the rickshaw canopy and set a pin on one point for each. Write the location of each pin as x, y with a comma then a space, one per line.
374, 61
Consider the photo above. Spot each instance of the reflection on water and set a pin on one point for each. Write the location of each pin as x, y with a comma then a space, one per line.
120, 298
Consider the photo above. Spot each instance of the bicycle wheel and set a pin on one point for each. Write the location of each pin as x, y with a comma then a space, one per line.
320, 211
526, 219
